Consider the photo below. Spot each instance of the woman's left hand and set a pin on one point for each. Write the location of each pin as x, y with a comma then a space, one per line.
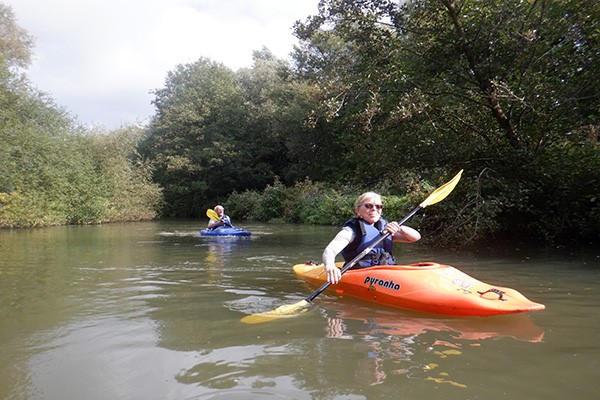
401, 233
393, 228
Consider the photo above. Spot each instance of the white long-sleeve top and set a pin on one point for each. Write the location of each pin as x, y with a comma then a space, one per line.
339, 243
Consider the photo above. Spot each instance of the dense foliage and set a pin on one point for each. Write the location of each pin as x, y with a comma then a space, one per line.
216, 131
54, 172
397, 97
507, 90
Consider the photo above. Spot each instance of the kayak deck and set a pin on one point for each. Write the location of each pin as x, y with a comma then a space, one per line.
426, 286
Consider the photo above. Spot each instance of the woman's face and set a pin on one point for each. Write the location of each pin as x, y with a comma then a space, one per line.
370, 209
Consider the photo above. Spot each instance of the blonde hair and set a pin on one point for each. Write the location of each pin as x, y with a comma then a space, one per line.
364, 197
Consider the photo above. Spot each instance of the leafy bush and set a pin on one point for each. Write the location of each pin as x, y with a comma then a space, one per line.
306, 202
243, 205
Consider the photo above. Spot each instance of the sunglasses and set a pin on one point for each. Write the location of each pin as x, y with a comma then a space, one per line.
370, 206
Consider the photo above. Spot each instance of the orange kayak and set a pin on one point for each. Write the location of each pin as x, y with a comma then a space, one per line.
425, 286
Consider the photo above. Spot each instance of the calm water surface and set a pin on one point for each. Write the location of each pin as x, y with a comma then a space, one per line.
152, 311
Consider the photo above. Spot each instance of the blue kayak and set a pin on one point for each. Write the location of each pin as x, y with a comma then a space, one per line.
224, 231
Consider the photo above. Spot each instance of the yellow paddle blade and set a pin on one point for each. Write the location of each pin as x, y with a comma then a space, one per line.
212, 214
280, 312
442, 192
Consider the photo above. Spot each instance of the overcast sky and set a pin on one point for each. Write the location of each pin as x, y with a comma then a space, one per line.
101, 58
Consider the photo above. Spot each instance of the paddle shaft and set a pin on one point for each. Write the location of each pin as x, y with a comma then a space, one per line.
351, 263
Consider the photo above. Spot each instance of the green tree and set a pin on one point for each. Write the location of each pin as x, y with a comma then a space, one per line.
125, 184
15, 42
262, 148
53, 171
325, 148
278, 105
198, 113
432, 85
216, 131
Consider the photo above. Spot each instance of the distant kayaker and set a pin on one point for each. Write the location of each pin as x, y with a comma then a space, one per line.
361, 232
223, 219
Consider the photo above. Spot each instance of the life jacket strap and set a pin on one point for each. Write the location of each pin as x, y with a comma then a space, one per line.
382, 258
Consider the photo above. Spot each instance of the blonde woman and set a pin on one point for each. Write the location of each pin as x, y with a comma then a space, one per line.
361, 232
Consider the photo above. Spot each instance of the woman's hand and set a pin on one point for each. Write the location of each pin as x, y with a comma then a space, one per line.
402, 233
333, 274
393, 228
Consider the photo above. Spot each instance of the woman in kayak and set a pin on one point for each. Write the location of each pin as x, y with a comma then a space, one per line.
223, 219
361, 232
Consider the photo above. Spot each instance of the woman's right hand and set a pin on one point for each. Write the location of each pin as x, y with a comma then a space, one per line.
333, 274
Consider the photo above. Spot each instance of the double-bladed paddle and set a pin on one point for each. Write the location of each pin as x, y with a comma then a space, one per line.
291, 309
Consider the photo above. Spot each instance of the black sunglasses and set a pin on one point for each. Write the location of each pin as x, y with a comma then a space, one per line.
369, 206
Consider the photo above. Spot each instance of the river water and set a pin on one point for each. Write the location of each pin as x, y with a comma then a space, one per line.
152, 311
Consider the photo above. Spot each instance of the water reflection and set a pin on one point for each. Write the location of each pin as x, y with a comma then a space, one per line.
392, 339
395, 322
219, 249
348, 345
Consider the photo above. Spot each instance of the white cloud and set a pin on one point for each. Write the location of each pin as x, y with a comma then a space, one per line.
101, 59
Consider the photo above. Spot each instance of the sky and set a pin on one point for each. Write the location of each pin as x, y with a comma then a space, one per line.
101, 59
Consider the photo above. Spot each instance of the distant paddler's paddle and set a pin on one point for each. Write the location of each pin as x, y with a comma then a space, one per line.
212, 214
292, 309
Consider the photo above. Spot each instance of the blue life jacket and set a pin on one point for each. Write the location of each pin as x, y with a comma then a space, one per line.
364, 236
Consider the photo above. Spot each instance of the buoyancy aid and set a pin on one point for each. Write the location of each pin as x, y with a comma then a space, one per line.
223, 221
364, 236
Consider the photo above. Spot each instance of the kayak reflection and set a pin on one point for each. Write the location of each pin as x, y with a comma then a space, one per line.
219, 249
404, 323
